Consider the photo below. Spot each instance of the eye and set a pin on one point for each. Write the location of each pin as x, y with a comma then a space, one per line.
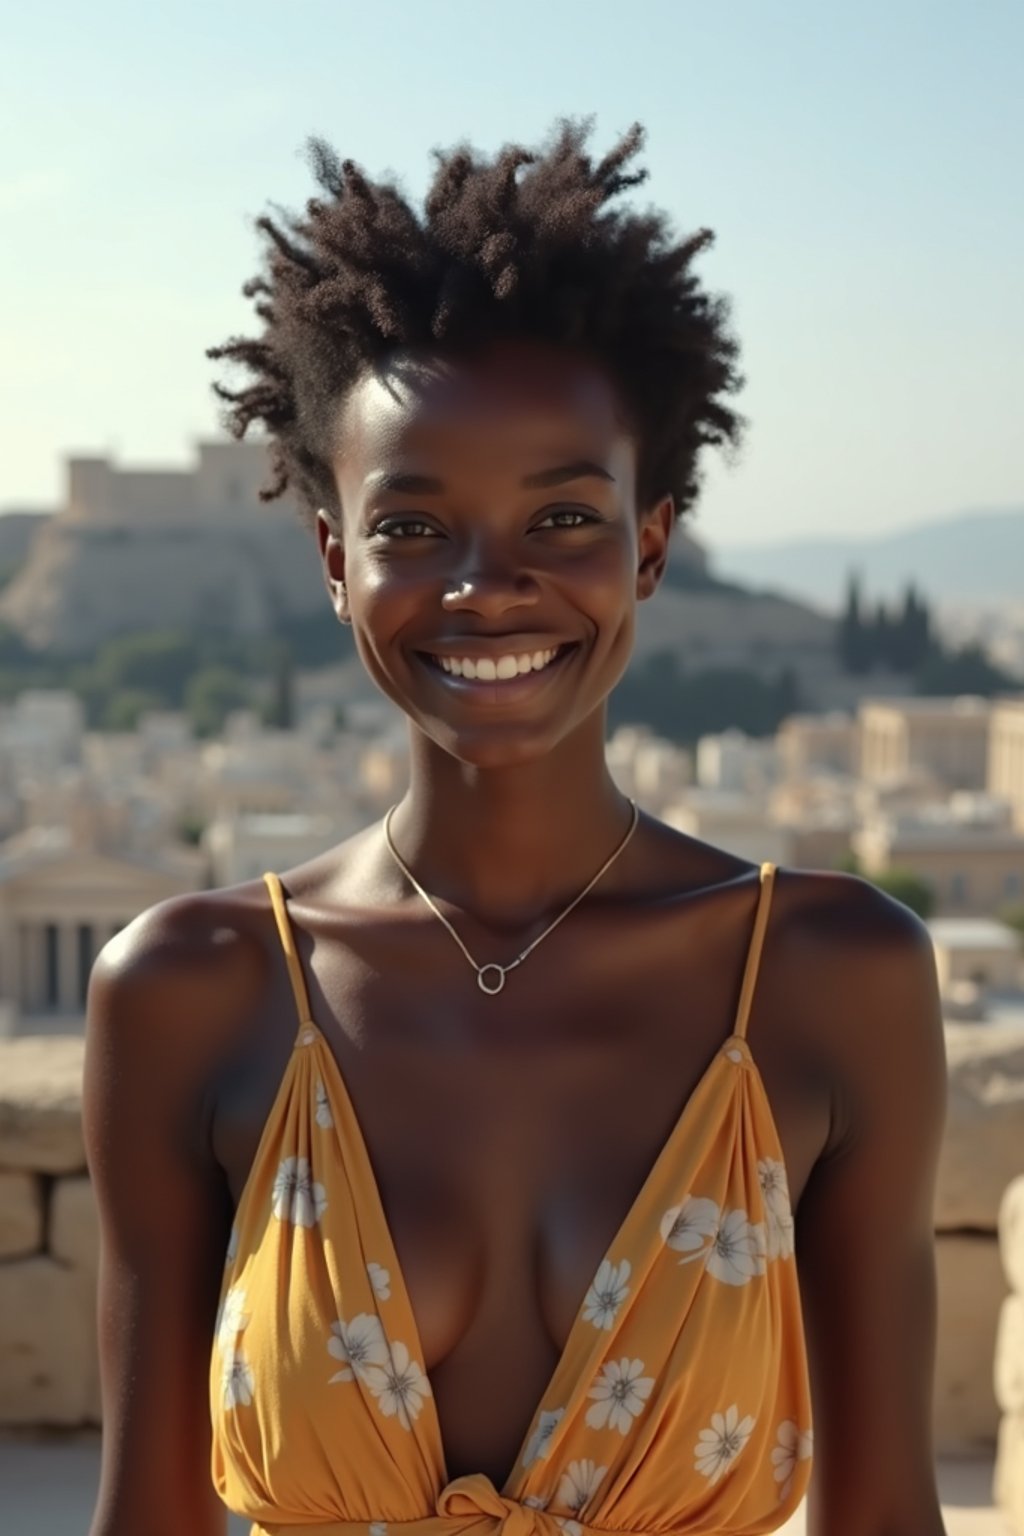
402, 527
584, 517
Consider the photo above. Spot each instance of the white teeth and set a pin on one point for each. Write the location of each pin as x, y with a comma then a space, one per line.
491, 669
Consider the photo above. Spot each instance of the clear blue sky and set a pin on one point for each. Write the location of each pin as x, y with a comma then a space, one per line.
860, 164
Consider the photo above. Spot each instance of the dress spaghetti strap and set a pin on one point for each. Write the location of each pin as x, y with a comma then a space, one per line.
754, 952
287, 937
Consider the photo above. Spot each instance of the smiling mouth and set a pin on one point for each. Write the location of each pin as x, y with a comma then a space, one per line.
494, 686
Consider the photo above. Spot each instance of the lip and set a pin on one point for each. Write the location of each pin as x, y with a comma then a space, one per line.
500, 691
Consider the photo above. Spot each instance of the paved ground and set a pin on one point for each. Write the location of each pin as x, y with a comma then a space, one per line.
49, 1485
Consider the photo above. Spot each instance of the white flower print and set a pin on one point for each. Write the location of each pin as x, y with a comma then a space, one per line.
539, 1444
378, 1528
737, 1250
579, 1483
718, 1447
685, 1227
231, 1319
360, 1343
324, 1118
607, 1293
399, 1385
621, 1395
771, 1174
232, 1253
537, 1500
570, 1527
236, 1380
296, 1197
380, 1279
791, 1447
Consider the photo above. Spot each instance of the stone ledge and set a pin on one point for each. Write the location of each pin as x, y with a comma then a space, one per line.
74, 1224
41, 1104
21, 1215
47, 1344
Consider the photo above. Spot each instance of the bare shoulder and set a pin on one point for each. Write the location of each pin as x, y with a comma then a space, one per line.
859, 967
184, 938
187, 968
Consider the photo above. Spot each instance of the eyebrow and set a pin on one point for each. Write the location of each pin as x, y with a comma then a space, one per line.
429, 485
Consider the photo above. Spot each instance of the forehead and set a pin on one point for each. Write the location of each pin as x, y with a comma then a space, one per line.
508, 409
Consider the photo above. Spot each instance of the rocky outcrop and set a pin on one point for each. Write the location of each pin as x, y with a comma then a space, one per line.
81, 584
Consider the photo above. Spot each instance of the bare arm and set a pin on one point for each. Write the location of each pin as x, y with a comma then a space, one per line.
164, 1222
865, 1241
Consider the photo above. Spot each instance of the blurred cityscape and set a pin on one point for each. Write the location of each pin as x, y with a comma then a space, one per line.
180, 710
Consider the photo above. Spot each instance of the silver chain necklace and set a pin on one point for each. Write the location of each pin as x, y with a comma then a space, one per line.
493, 987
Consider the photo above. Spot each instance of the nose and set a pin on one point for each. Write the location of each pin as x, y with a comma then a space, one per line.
474, 1495
489, 583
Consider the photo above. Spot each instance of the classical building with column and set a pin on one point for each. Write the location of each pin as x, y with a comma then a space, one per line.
59, 905
1006, 755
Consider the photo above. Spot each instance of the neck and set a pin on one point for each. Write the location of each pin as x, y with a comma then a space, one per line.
513, 845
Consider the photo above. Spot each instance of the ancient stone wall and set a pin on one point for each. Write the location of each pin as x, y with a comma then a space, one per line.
49, 1244
48, 1238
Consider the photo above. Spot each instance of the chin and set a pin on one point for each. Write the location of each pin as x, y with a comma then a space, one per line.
492, 747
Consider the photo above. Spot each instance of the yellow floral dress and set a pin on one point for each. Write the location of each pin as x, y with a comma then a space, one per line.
681, 1401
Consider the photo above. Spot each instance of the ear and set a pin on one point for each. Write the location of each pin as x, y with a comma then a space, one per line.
655, 530
332, 553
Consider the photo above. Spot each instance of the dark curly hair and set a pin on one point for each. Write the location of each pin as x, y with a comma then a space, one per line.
520, 245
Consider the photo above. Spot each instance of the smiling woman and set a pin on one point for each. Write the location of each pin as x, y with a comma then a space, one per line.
559, 1248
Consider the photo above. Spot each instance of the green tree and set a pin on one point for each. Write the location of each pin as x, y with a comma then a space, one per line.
902, 884
967, 670
123, 709
210, 697
190, 828
1013, 916
280, 710
853, 638
161, 661
905, 886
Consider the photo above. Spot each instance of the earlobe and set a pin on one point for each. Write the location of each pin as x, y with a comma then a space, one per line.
332, 550
654, 545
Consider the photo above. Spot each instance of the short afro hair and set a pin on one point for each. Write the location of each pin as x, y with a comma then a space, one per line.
524, 244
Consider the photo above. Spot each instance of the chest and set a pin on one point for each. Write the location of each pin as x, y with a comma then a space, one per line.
510, 1136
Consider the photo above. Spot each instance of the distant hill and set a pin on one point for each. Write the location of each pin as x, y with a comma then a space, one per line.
17, 532
973, 556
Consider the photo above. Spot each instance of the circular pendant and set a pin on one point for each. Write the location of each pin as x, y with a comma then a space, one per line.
484, 987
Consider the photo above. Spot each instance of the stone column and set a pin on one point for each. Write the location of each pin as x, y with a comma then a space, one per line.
32, 951
1009, 1362
67, 968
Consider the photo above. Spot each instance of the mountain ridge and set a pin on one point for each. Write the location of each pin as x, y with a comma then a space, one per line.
969, 555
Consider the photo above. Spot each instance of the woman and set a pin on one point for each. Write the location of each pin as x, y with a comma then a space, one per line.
516, 1249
